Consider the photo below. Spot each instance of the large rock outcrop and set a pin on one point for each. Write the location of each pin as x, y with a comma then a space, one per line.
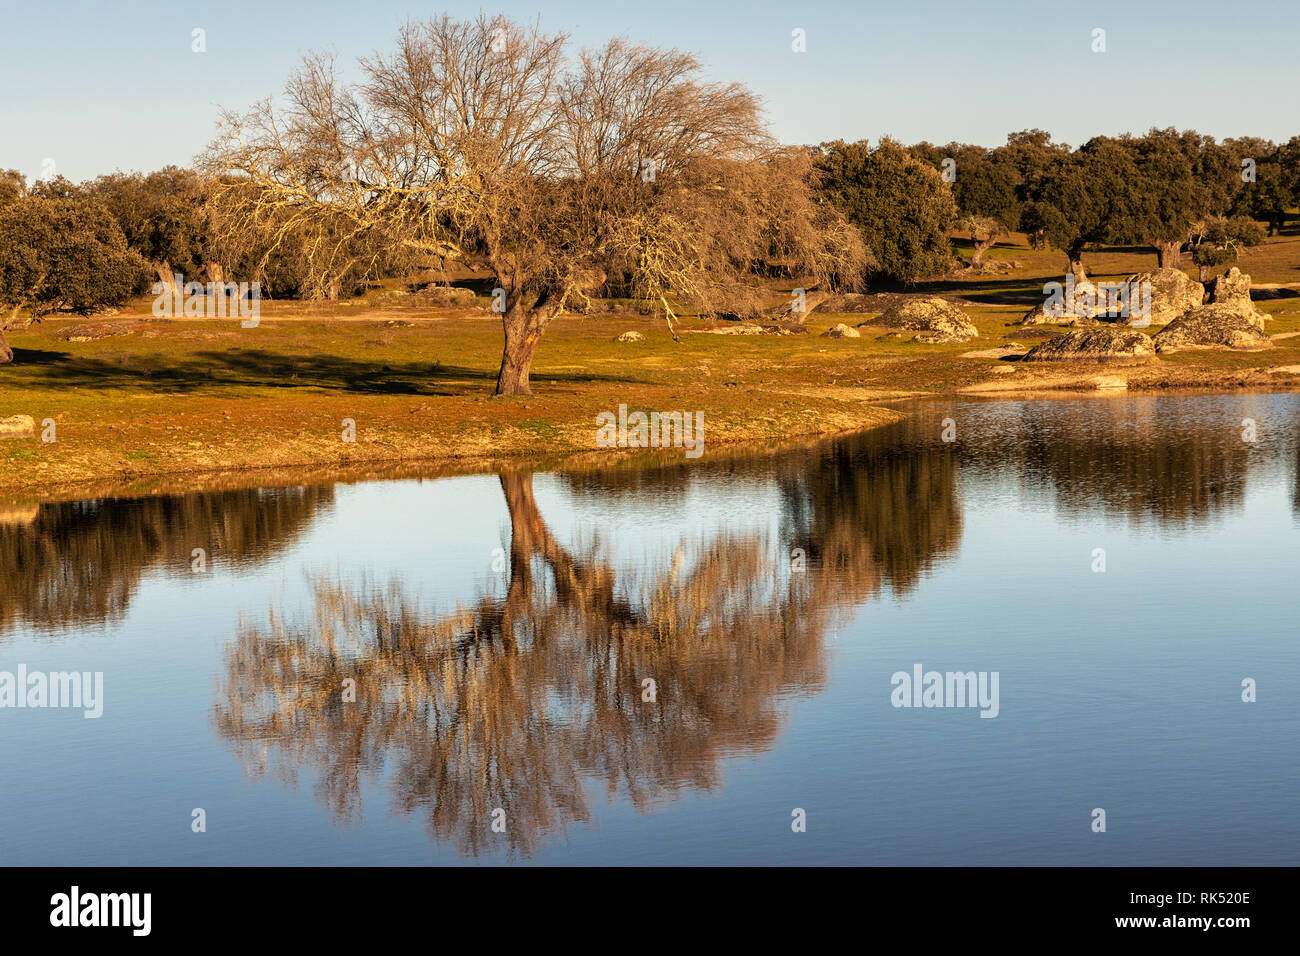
936, 321
1217, 325
841, 331
847, 303
1173, 292
1104, 344
1232, 289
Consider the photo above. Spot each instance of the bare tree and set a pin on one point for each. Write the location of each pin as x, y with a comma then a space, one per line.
479, 139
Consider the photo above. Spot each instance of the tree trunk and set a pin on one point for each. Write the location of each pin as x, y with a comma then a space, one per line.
582, 586
168, 280
216, 272
6, 353
1075, 254
1170, 254
791, 317
516, 365
982, 246
1274, 226
523, 332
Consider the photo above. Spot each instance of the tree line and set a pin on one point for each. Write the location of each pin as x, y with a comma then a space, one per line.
622, 170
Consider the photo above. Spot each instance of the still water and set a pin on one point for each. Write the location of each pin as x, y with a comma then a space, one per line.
500, 633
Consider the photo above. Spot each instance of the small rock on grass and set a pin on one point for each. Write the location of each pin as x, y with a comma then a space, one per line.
16, 426
936, 320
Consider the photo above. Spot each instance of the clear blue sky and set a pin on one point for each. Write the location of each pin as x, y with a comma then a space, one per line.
98, 86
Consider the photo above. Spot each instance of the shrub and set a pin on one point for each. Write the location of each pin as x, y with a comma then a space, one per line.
63, 255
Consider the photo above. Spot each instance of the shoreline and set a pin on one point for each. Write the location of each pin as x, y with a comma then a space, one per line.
380, 466
139, 484
200, 404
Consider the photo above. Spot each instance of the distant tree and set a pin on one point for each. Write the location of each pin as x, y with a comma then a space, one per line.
1275, 188
1289, 160
13, 186
899, 202
1173, 199
1031, 153
1217, 166
984, 185
162, 216
984, 233
986, 192
56, 187
1219, 241
1267, 198
1090, 196
62, 255
1185, 180
929, 153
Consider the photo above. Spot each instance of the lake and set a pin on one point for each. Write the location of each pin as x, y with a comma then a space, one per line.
676, 661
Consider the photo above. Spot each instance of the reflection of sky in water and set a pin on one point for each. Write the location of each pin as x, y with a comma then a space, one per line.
442, 536
1119, 690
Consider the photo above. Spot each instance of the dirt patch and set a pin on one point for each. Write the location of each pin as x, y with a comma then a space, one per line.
1001, 352
94, 331
1032, 334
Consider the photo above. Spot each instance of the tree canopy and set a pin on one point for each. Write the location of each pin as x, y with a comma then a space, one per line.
62, 254
481, 139
1092, 195
900, 203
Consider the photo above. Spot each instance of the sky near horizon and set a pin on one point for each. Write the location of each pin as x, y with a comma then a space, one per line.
97, 86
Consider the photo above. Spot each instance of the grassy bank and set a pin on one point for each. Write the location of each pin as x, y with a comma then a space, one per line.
175, 399
172, 402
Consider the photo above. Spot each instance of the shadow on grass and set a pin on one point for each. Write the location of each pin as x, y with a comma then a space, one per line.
1025, 291
258, 369
24, 358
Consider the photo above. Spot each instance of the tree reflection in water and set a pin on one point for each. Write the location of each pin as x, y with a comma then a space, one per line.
77, 563
528, 695
527, 701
